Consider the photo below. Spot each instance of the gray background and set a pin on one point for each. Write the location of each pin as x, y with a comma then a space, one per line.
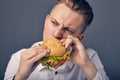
21, 25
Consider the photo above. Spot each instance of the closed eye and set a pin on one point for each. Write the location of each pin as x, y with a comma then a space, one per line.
69, 30
54, 22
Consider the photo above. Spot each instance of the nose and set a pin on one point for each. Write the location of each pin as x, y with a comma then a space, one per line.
58, 33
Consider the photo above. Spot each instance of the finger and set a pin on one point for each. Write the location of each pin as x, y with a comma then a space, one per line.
38, 57
27, 54
37, 46
67, 42
62, 40
32, 50
44, 50
75, 41
30, 53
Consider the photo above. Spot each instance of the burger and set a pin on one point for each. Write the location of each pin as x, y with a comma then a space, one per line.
58, 54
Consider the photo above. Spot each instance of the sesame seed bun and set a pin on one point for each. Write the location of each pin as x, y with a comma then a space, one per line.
55, 46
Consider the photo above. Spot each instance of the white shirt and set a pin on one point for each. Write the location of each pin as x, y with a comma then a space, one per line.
68, 71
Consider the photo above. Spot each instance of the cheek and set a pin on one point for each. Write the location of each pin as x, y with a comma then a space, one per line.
48, 31
49, 28
65, 35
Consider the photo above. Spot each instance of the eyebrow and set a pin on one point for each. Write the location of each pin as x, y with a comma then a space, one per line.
64, 26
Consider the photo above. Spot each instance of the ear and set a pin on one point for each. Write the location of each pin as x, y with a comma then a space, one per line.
47, 17
81, 36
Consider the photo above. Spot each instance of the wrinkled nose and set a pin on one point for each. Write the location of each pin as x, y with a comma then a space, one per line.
58, 34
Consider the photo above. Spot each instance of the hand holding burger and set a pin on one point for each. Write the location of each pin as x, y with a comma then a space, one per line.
58, 53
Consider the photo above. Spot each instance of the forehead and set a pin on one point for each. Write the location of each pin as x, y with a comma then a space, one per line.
66, 16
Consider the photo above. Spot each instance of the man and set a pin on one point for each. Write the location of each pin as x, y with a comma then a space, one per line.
66, 22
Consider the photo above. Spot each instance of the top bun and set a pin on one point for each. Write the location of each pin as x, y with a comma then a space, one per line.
55, 46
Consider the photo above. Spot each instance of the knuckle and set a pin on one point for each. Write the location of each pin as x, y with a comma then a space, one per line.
23, 54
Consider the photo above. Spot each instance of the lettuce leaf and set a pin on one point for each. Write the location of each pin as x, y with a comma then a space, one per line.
54, 59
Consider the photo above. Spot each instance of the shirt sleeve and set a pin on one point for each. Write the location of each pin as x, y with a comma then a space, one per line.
101, 74
12, 66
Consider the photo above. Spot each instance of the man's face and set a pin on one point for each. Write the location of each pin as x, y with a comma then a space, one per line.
63, 22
